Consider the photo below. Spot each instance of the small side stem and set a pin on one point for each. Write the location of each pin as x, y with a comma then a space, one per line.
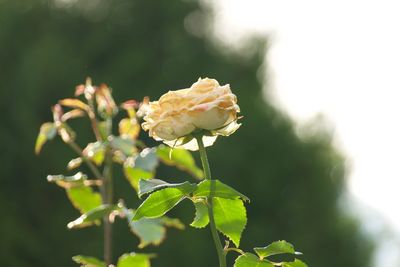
210, 206
93, 120
90, 164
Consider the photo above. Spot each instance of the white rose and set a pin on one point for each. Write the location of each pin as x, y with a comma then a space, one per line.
204, 106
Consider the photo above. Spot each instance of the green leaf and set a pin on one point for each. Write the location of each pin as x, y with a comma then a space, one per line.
91, 217
180, 158
158, 203
129, 128
134, 260
148, 186
125, 145
147, 160
135, 174
172, 222
277, 247
86, 261
95, 152
68, 181
250, 260
47, 132
220, 190
201, 220
230, 218
141, 166
151, 231
84, 198
295, 263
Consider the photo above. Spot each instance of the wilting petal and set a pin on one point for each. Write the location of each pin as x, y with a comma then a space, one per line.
229, 129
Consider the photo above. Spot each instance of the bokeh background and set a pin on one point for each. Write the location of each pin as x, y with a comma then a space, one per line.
143, 48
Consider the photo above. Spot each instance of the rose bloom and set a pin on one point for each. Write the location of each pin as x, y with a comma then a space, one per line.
205, 106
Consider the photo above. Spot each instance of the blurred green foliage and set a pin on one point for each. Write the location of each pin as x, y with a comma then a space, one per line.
146, 48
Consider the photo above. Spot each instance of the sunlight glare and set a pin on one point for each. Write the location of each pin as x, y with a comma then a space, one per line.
340, 58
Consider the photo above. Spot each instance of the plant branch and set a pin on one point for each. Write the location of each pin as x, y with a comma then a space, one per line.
210, 206
90, 164
106, 188
108, 198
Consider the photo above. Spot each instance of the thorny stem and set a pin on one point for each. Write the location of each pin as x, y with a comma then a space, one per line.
210, 206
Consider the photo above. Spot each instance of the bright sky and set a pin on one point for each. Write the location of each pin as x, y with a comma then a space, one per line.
341, 58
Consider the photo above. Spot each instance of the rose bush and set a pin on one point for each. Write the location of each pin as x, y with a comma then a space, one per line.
192, 118
206, 106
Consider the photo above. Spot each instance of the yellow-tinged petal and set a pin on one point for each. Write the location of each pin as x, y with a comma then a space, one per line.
204, 106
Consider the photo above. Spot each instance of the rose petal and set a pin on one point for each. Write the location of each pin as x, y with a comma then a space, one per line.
192, 144
209, 119
229, 129
162, 130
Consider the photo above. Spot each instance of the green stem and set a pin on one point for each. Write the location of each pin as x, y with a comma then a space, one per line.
106, 187
108, 197
210, 206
